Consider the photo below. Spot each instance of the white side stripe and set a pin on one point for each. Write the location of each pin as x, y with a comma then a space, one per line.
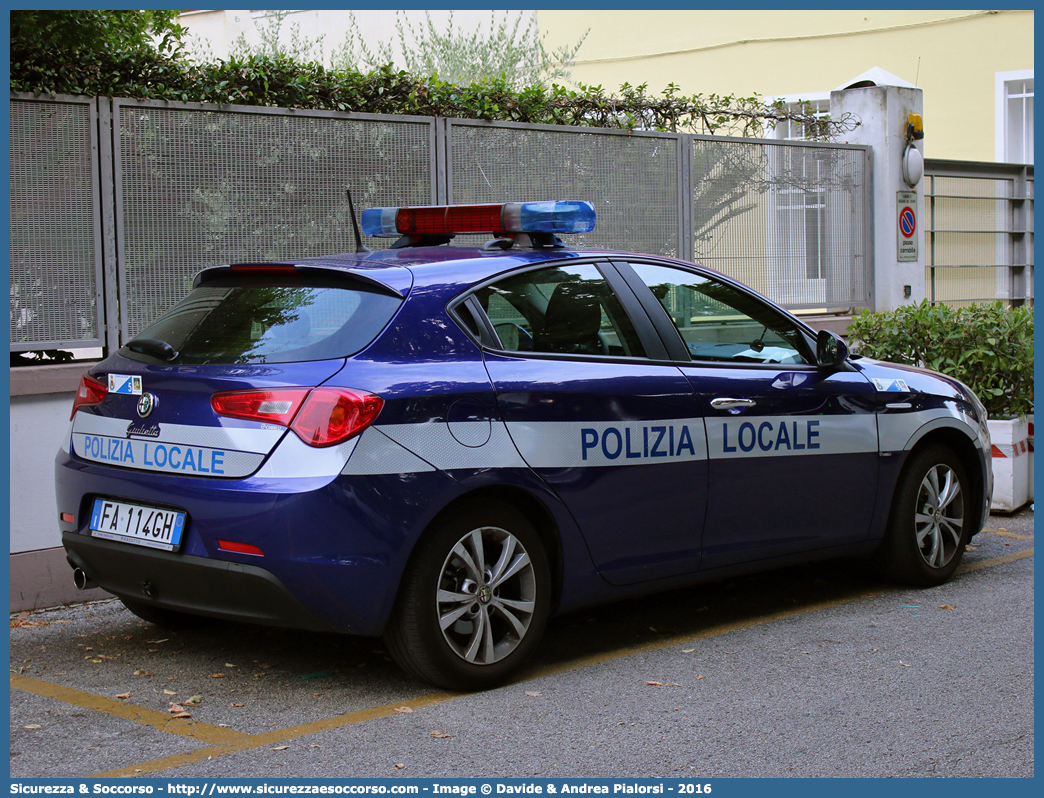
787, 436
573, 444
584, 444
898, 428
294, 458
379, 454
434, 443
247, 439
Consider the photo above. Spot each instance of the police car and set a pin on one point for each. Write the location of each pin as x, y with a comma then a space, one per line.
448, 445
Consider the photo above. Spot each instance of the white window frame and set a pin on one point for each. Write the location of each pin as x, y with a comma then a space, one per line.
821, 99
802, 271
1000, 136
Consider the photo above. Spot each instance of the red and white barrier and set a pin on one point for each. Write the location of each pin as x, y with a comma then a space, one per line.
1029, 421
1012, 463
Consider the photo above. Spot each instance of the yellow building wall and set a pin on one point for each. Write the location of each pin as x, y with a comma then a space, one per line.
952, 55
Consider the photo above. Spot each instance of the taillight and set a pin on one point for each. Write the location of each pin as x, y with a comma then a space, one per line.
90, 392
333, 415
239, 548
278, 405
320, 416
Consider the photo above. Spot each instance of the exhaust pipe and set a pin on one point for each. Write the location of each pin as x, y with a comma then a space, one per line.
82, 581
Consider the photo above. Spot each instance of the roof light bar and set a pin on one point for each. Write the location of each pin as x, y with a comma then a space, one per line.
563, 216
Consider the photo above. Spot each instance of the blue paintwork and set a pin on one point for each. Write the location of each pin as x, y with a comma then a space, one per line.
185, 391
312, 531
928, 391
771, 506
340, 543
938, 387
651, 528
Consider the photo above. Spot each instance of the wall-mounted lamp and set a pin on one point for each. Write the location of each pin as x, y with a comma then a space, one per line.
913, 166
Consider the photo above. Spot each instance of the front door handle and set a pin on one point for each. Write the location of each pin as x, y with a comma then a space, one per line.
727, 404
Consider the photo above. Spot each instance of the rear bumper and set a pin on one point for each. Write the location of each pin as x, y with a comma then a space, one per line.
196, 585
333, 550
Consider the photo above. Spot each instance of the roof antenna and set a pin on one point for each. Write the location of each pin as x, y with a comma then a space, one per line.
359, 246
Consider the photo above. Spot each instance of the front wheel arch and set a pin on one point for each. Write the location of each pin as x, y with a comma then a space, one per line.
931, 519
969, 455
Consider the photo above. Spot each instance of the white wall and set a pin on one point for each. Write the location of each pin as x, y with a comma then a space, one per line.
38, 424
221, 29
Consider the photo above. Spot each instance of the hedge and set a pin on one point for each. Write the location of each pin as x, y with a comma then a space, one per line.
109, 54
987, 347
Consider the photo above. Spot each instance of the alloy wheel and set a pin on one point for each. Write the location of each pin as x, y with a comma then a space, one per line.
939, 516
486, 595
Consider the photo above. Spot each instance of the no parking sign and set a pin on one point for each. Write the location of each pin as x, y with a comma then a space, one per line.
906, 225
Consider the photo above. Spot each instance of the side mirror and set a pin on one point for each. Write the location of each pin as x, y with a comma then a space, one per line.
830, 349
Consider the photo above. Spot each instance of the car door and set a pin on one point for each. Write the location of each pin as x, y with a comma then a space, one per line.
793, 455
594, 406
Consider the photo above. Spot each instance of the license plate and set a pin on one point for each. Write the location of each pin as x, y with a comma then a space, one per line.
155, 527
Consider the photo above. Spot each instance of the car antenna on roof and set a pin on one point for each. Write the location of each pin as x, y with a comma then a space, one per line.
360, 247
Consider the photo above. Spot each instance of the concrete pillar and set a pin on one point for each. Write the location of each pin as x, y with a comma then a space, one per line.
883, 113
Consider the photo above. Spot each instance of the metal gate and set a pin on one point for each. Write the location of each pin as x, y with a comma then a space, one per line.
790, 219
979, 239
116, 208
197, 186
56, 257
635, 180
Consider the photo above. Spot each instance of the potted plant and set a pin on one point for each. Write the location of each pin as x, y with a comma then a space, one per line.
987, 347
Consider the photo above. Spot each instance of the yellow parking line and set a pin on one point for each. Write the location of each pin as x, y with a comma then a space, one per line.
203, 732
226, 741
975, 566
249, 741
1005, 533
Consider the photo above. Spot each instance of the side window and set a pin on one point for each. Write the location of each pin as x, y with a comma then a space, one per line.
719, 322
564, 310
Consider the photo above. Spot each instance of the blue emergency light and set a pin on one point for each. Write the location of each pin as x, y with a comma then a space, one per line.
563, 216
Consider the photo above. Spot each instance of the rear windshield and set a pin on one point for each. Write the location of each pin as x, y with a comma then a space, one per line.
235, 321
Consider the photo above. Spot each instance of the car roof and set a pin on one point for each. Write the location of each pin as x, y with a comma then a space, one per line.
453, 267
436, 264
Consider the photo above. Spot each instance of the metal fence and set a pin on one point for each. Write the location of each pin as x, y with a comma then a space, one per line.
56, 258
790, 219
116, 204
635, 180
197, 186
979, 238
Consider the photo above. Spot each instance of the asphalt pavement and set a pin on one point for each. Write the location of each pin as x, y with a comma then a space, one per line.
818, 670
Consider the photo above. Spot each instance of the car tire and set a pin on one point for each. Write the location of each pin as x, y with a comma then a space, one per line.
461, 624
930, 522
168, 619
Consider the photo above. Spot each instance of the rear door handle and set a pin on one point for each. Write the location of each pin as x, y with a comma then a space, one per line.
727, 404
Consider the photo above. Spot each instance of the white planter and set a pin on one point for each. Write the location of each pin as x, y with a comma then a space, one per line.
1012, 458
1029, 421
